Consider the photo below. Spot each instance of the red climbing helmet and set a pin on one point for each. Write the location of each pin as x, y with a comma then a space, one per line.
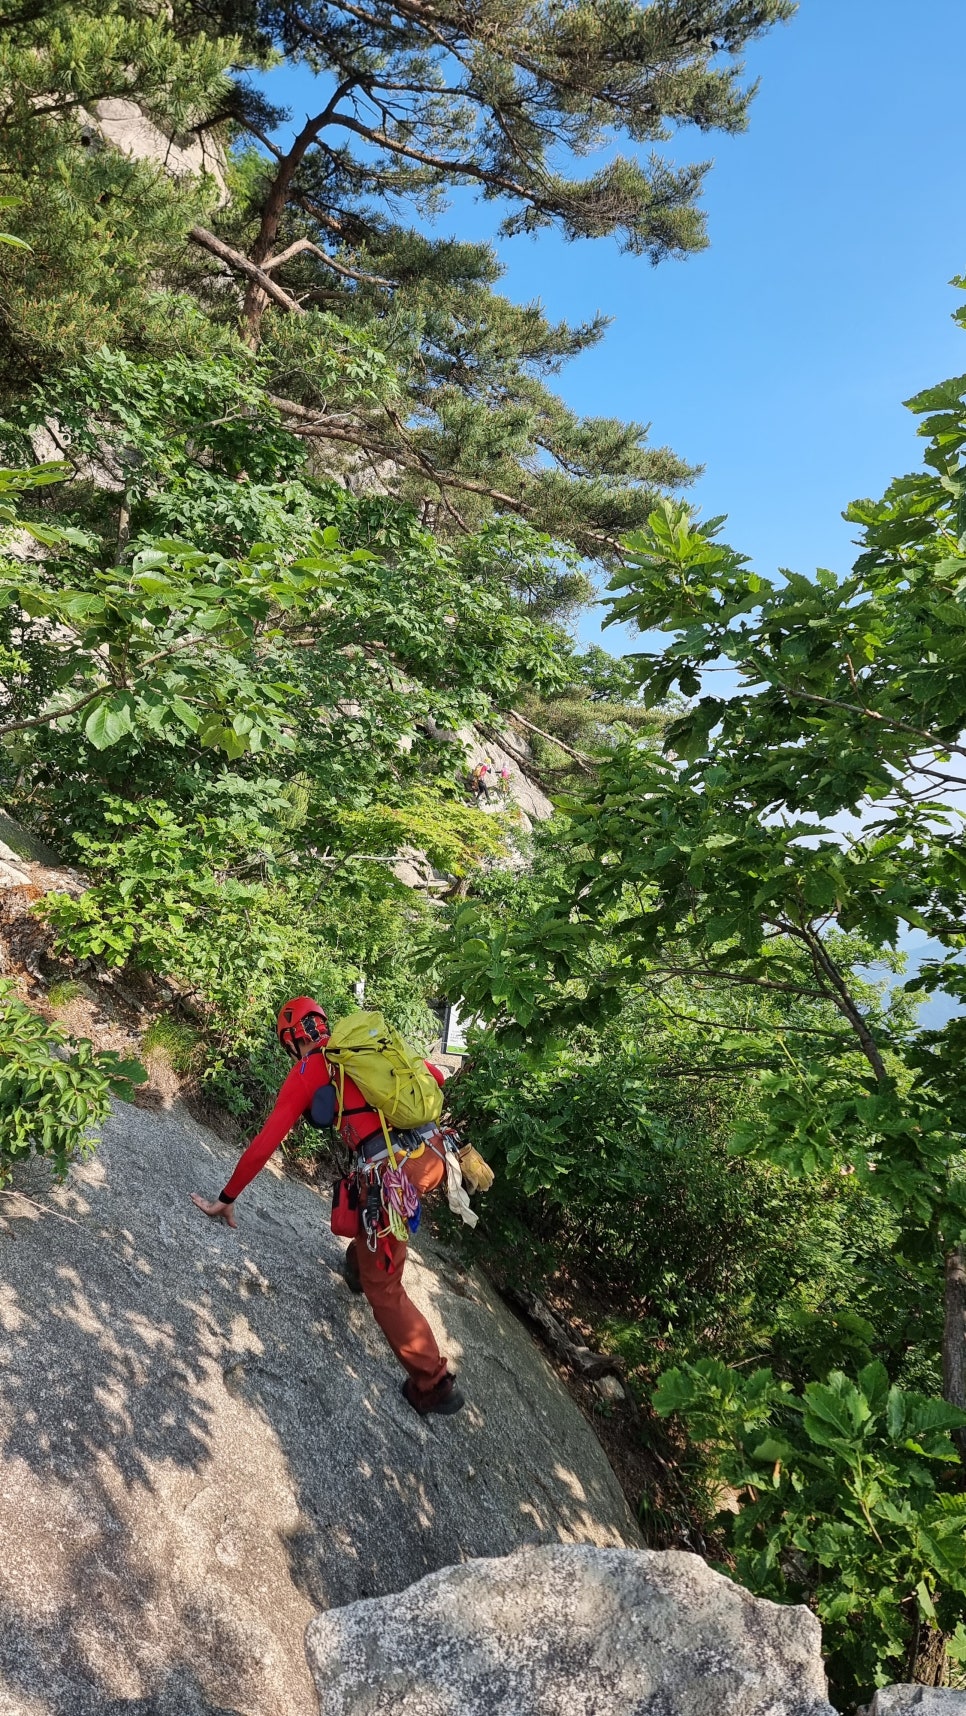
302, 1020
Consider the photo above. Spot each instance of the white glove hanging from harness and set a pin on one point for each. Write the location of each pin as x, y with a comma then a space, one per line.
456, 1194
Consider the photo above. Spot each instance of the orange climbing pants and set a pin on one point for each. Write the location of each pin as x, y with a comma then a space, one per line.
406, 1329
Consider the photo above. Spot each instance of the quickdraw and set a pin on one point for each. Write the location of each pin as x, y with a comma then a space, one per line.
390, 1203
372, 1212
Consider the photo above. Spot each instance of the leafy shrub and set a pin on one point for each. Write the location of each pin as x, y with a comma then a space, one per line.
616, 1175
54, 1092
204, 901
454, 836
844, 1506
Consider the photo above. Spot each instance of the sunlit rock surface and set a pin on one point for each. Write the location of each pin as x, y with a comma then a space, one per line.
916, 1701
203, 1444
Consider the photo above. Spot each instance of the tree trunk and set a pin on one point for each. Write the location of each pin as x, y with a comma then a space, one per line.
930, 1661
954, 1338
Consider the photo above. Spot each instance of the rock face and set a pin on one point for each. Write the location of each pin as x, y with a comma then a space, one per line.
127, 127
17, 846
533, 805
414, 870
203, 1444
570, 1632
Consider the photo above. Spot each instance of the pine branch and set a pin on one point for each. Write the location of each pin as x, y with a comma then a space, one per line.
234, 259
325, 428
278, 196
450, 169
305, 244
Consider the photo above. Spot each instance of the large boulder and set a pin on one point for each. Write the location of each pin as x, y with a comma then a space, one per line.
923, 1700
203, 1443
570, 1632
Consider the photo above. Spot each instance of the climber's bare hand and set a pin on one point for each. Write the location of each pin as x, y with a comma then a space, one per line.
216, 1210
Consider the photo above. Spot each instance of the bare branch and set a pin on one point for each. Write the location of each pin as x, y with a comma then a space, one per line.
578, 756
235, 259
303, 244
942, 745
826, 966
747, 1030
55, 714
712, 975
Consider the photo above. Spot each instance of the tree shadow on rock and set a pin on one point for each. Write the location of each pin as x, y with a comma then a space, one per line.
203, 1440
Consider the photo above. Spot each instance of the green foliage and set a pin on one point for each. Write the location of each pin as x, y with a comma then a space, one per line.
101, 230
443, 380
752, 876
168, 690
181, 638
595, 713
613, 1168
218, 906
264, 610
9, 237
454, 836
16, 483
54, 1093
851, 702
845, 1504
714, 860
509, 100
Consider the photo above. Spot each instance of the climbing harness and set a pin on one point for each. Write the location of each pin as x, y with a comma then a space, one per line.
377, 1195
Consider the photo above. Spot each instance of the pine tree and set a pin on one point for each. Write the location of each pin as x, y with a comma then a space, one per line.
508, 97
393, 354
102, 229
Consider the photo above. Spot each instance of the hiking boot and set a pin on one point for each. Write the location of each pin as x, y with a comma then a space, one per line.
445, 1398
350, 1271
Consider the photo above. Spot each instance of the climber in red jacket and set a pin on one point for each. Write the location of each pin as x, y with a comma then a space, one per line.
303, 1031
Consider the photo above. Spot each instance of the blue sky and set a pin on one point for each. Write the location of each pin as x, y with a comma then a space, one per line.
779, 357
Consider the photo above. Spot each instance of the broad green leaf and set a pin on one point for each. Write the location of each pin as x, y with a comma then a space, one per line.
106, 723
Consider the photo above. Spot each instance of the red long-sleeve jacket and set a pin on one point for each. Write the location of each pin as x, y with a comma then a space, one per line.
293, 1100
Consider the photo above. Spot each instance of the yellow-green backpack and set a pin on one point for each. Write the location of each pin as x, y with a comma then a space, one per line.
392, 1077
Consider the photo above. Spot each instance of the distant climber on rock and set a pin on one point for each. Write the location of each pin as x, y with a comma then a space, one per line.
485, 778
378, 1203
